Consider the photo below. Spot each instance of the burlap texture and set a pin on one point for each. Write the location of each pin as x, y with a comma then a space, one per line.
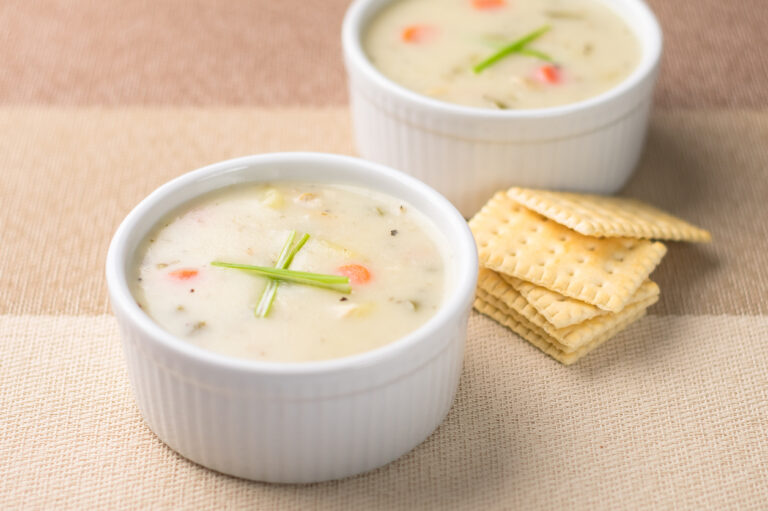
669, 414
100, 102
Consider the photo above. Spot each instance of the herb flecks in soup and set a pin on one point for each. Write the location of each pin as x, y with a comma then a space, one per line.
503, 54
302, 271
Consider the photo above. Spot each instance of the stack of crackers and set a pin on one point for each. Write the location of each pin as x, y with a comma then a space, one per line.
566, 271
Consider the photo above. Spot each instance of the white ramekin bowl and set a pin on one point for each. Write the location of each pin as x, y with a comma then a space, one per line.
468, 153
300, 422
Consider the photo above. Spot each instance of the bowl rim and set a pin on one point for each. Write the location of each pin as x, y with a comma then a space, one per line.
455, 230
646, 27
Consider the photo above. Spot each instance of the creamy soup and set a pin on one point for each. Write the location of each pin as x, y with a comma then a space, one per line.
387, 250
503, 54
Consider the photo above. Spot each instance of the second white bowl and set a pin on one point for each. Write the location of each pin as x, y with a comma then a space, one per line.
469, 153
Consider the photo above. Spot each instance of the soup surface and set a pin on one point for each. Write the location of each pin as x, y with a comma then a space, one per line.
388, 250
571, 50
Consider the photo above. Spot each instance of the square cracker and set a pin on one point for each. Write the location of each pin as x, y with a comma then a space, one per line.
568, 339
543, 342
516, 241
492, 287
562, 311
596, 215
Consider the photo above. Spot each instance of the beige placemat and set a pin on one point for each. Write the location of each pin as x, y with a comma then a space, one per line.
71, 174
673, 411
102, 101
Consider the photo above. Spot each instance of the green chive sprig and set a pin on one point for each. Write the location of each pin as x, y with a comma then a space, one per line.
332, 282
530, 52
514, 47
284, 260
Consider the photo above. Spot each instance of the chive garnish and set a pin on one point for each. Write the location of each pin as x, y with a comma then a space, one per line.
332, 282
268, 296
511, 48
536, 53
283, 261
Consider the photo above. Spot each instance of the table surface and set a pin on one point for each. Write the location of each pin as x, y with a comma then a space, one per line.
100, 102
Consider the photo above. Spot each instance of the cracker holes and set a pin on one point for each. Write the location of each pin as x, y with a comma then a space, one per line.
564, 238
592, 248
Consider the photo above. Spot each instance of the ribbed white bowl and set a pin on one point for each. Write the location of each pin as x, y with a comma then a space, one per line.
300, 422
468, 153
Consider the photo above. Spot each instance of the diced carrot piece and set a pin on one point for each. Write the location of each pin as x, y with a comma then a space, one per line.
416, 33
357, 273
183, 274
488, 4
548, 74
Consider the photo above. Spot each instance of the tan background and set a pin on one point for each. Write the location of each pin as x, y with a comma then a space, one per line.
287, 52
100, 102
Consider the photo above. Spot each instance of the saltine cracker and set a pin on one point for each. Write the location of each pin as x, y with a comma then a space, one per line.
597, 215
518, 242
546, 344
570, 338
562, 311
